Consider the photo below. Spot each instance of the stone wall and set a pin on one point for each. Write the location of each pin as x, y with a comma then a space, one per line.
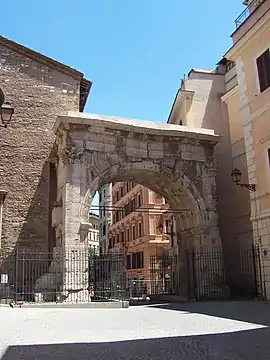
38, 94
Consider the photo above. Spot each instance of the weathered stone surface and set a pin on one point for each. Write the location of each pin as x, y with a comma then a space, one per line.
38, 92
175, 162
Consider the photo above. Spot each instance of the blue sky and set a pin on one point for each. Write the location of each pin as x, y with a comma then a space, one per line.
135, 51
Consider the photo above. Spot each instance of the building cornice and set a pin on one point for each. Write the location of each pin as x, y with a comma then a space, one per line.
229, 94
180, 97
234, 52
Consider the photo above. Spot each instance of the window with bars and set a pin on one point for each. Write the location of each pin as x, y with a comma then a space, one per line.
263, 68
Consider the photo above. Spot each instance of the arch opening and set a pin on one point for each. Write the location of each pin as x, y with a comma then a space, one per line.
185, 203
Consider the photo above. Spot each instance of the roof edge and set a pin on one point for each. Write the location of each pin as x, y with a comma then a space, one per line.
43, 59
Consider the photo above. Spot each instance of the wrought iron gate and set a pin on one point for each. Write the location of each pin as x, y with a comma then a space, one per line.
107, 277
206, 275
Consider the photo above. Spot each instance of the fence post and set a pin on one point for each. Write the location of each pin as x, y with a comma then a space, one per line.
16, 274
188, 275
254, 269
194, 275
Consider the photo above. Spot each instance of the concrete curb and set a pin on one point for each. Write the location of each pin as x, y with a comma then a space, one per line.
91, 305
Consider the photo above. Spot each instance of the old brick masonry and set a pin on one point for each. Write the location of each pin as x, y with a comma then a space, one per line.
39, 89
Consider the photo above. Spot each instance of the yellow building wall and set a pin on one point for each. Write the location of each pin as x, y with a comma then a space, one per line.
239, 197
254, 108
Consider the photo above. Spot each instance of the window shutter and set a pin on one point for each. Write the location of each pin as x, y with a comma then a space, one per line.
263, 66
267, 67
260, 63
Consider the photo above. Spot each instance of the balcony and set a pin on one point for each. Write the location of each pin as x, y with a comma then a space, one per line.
249, 17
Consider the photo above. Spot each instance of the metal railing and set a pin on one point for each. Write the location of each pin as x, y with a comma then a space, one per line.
246, 13
38, 276
205, 275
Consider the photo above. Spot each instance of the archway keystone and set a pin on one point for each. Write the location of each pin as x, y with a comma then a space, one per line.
174, 161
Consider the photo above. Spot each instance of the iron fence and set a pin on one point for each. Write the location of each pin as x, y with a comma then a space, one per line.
107, 277
81, 275
72, 275
202, 275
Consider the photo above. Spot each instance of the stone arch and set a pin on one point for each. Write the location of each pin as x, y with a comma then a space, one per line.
181, 194
174, 161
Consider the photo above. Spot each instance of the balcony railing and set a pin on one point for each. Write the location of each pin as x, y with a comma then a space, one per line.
245, 14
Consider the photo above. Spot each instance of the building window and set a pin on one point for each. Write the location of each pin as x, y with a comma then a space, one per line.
117, 216
136, 260
122, 237
122, 191
139, 201
167, 227
100, 196
127, 187
128, 262
133, 232
128, 235
104, 230
110, 243
140, 229
263, 67
113, 241
132, 205
117, 238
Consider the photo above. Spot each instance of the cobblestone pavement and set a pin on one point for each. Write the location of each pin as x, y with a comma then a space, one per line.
225, 330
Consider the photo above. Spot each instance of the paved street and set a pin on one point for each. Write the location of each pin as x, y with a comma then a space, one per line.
237, 330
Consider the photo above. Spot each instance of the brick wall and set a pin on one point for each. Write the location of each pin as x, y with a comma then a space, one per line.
38, 94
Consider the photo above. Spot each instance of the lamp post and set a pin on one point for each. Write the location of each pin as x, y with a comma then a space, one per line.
236, 178
6, 111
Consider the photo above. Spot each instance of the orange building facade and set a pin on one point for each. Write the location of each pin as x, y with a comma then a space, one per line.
138, 227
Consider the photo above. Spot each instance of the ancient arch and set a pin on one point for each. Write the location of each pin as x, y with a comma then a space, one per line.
173, 161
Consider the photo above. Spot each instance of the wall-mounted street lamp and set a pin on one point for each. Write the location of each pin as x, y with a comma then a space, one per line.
236, 178
6, 111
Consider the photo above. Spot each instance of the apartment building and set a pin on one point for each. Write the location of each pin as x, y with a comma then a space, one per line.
93, 235
105, 216
197, 104
248, 102
138, 227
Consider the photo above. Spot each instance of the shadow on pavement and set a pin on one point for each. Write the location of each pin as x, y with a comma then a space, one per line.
257, 312
248, 345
